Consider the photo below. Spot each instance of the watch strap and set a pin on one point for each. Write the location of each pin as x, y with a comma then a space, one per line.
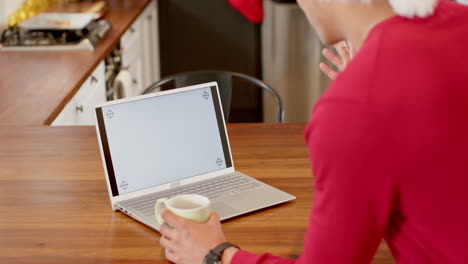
214, 256
221, 247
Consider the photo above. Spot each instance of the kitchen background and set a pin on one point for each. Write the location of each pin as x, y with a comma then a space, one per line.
179, 35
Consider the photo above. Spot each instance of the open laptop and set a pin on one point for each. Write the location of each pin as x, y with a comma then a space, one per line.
174, 142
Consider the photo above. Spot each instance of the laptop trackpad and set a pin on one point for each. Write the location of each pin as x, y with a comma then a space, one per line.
255, 199
224, 211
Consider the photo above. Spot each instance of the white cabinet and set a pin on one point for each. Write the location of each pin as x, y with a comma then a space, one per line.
140, 53
140, 68
131, 43
79, 110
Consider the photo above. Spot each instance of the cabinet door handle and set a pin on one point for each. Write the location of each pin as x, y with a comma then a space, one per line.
94, 80
134, 81
150, 17
132, 30
79, 108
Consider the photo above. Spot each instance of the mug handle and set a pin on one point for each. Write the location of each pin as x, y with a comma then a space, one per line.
157, 210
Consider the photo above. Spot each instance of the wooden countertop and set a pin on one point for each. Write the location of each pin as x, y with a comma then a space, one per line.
35, 86
55, 207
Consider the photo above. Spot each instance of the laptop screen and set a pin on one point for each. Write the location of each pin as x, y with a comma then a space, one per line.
162, 139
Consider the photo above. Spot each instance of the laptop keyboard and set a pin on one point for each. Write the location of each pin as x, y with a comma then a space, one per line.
214, 189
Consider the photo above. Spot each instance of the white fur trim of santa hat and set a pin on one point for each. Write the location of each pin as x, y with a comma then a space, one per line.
414, 8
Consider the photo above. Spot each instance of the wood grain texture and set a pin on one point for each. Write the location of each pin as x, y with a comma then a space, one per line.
54, 205
35, 86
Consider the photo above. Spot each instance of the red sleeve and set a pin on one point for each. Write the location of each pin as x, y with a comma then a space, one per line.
353, 187
244, 257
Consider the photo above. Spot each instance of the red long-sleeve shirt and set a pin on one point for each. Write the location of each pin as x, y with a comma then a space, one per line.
388, 144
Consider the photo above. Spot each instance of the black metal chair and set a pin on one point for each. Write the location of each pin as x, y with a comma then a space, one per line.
224, 80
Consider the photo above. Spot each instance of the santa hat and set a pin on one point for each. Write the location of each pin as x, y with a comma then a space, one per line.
414, 8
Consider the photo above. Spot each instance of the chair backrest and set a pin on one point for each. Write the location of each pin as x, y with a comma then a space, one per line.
224, 80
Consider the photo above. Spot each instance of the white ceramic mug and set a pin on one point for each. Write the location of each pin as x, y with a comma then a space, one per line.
192, 207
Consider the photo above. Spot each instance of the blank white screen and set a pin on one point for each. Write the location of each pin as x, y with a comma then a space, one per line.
163, 139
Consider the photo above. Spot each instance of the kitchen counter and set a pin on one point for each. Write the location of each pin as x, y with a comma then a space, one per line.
35, 86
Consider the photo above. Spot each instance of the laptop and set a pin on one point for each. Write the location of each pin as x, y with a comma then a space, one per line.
174, 142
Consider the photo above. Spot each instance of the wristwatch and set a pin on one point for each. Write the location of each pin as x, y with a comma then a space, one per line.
214, 256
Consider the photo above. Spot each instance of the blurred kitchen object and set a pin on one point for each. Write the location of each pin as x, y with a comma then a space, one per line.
97, 7
56, 32
291, 54
31, 8
251, 9
58, 21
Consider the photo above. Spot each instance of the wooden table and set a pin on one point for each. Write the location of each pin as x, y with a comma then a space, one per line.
54, 206
36, 86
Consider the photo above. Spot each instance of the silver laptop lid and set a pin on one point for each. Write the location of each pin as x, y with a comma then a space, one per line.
156, 139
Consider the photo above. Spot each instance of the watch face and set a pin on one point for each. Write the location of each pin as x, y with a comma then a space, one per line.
211, 260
